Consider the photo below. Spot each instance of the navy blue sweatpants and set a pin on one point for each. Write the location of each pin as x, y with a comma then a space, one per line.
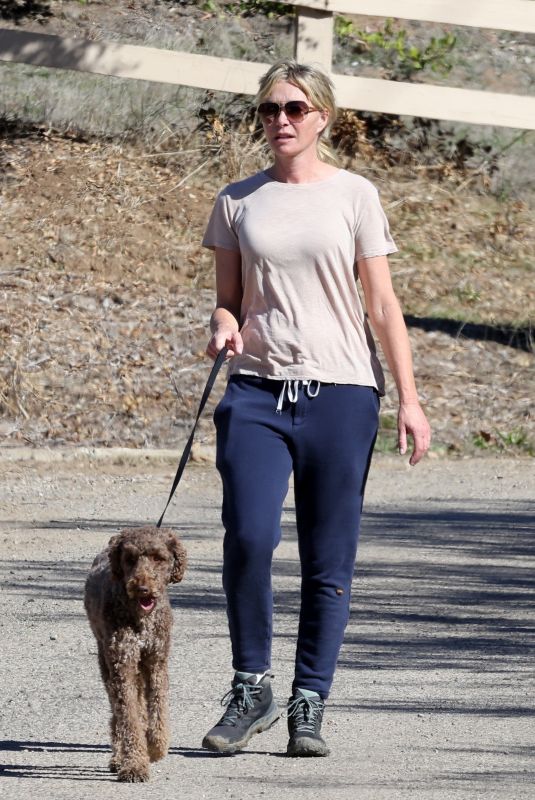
327, 440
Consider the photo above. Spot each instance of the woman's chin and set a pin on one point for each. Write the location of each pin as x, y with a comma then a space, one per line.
285, 150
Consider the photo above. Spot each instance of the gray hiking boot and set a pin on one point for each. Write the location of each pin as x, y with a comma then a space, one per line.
305, 714
251, 709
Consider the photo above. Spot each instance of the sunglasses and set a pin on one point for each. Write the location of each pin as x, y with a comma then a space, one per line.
295, 110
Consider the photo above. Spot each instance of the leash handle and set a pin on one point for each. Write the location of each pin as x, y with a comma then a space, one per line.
185, 455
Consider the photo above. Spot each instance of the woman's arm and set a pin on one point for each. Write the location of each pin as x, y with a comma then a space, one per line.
385, 315
225, 321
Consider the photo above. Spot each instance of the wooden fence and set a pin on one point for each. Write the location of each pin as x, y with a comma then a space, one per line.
313, 43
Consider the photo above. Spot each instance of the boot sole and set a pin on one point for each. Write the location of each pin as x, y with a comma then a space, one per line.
219, 745
307, 748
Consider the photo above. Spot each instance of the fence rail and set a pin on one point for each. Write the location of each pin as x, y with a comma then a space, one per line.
314, 38
511, 15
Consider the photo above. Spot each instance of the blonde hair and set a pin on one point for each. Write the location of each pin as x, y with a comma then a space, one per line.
318, 88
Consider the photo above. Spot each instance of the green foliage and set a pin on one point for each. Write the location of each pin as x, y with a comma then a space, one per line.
388, 422
386, 443
467, 293
516, 440
387, 437
390, 48
343, 28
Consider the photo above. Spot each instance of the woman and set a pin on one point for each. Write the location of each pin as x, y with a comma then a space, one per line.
303, 394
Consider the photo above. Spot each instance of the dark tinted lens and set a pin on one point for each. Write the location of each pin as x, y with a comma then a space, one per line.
268, 110
296, 110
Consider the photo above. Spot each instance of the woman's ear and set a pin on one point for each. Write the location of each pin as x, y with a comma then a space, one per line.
323, 119
114, 555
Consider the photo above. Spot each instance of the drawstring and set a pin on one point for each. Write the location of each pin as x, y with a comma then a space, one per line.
291, 389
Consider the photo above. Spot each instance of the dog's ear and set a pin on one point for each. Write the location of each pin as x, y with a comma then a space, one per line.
178, 552
114, 555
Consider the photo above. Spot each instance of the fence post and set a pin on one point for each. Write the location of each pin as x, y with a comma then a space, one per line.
314, 31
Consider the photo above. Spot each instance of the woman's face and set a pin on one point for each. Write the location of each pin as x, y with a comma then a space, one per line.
287, 138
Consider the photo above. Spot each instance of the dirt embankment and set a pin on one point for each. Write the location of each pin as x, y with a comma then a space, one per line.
107, 295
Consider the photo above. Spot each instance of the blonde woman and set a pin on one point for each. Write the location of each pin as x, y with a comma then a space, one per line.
291, 243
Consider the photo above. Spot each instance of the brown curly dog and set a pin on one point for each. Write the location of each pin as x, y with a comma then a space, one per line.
129, 612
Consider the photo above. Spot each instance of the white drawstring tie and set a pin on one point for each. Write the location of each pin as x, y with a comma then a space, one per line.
291, 389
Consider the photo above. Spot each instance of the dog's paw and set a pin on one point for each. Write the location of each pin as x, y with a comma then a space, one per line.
113, 766
133, 774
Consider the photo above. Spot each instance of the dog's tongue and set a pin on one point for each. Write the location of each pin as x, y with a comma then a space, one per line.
147, 603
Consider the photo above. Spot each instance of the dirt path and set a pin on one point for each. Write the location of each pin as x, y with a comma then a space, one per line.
434, 694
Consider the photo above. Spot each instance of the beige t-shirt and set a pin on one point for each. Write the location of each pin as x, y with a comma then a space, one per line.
301, 315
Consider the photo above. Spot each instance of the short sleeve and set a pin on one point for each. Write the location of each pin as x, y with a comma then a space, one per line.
372, 234
220, 231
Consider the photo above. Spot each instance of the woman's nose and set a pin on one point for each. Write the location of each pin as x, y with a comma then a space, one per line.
281, 118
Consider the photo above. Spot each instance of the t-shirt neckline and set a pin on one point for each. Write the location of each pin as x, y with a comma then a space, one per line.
307, 184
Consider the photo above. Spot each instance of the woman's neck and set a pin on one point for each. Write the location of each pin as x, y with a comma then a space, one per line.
300, 171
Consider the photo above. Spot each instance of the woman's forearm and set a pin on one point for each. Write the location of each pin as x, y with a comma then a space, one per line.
389, 325
223, 319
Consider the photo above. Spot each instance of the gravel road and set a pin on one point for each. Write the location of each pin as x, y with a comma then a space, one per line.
433, 698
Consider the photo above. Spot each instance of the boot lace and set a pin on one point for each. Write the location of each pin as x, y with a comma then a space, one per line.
240, 699
306, 712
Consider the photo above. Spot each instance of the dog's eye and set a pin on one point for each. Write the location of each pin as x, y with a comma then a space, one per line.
159, 557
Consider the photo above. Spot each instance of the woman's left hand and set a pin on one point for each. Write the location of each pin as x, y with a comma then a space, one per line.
412, 420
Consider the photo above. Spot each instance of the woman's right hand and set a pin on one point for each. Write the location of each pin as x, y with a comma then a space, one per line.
225, 338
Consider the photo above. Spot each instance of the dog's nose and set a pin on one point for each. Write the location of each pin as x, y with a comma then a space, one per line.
143, 590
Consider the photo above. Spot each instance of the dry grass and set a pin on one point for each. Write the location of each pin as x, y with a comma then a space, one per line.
495, 60
106, 292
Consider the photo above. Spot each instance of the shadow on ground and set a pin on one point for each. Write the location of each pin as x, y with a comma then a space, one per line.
443, 589
15, 10
518, 338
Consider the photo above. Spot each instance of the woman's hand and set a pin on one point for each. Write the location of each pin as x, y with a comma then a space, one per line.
225, 338
412, 420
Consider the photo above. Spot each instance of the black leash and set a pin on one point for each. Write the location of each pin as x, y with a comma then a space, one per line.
185, 455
